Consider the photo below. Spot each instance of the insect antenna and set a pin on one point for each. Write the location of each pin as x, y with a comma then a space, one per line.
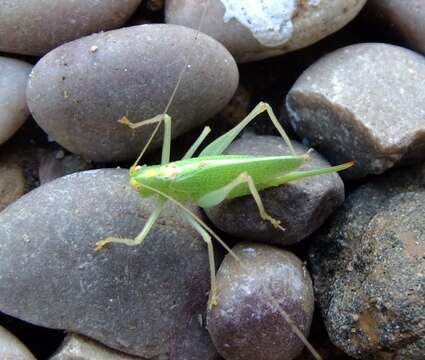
269, 295
176, 87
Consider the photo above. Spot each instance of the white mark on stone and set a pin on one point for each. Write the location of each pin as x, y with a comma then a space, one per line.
313, 2
270, 21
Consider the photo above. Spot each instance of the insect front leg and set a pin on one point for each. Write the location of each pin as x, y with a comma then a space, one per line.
207, 239
215, 197
138, 240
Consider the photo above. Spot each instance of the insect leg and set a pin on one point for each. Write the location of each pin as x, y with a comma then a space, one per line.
207, 239
221, 143
197, 143
217, 196
139, 238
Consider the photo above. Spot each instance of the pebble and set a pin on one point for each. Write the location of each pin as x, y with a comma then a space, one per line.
13, 108
11, 348
243, 325
406, 18
77, 347
254, 30
302, 206
145, 300
130, 74
35, 27
12, 184
364, 103
368, 267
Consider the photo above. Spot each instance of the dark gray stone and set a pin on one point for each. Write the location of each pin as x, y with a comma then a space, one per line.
146, 300
369, 269
34, 27
302, 206
364, 103
79, 91
244, 325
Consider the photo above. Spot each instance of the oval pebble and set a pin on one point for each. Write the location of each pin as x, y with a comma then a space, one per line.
254, 30
34, 27
145, 300
11, 348
244, 325
301, 206
13, 106
364, 103
94, 81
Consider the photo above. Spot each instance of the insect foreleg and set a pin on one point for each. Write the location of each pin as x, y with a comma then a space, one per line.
220, 144
166, 142
207, 239
217, 196
138, 240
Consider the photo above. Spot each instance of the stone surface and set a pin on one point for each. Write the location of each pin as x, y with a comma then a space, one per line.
12, 348
301, 206
13, 107
244, 325
406, 17
365, 103
94, 81
146, 300
369, 269
34, 27
12, 184
77, 347
253, 30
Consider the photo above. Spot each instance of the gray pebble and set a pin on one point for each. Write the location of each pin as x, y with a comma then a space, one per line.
145, 300
254, 30
79, 91
13, 106
244, 325
369, 269
301, 206
365, 103
34, 27
12, 348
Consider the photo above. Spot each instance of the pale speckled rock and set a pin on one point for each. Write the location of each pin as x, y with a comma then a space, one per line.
78, 91
146, 300
12, 184
77, 347
368, 267
12, 348
298, 23
33, 27
13, 106
244, 325
406, 17
364, 103
302, 206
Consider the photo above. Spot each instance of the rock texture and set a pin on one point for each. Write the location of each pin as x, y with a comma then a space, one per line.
254, 30
11, 348
34, 27
369, 269
78, 92
301, 206
245, 325
364, 103
146, 300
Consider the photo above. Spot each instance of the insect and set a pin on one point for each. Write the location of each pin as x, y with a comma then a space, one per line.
210, 178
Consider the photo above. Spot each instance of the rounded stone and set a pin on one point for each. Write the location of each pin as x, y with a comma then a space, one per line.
254, 30
364, 103
94, 81
302, 206
11, 348
368, 267
34, 27
144, 300
244, 325
406, 18
13, 105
